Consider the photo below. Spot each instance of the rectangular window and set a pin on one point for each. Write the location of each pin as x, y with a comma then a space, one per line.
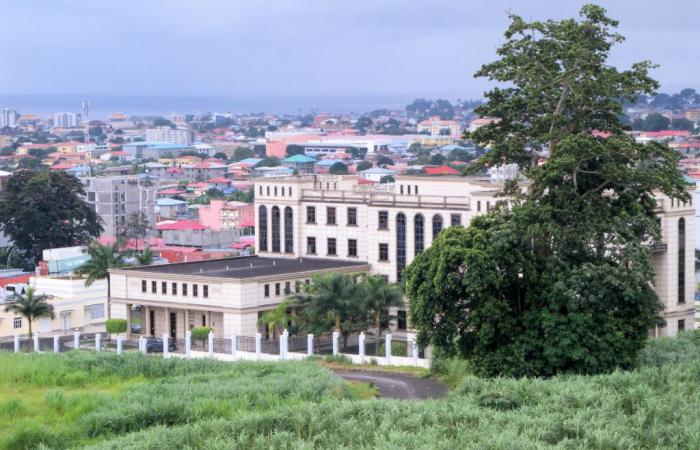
267, 290
184, 289
287, 288
352, 216
173, 288
297, 286
195, 290
409, 189
275, 191
17, 323
331, 247
260, 191
415, 189
311, 245
163, 287
401, 320
455, 219
383, 220
352, 247
478, 205
277, 289
205, 291
267, 191
154, 287
681, 325
310, 214
330, 215
96, 311
401, 189
384, 252
144, 286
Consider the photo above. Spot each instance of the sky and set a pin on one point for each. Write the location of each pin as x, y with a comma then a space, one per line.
407, 48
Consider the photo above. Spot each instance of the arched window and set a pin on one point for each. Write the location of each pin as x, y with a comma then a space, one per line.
262, 228
437, 225
681, 260
400, 244
275, 229
418, 234
288, 230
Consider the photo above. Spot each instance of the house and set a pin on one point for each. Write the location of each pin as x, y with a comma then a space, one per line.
272, 172
170, 208
376, 173
204, 171
219, 183
221, 215
441, 170
301, 163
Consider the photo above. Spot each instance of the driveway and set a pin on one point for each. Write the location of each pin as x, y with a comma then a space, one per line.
398, 386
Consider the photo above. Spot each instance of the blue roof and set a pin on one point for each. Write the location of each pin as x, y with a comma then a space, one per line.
379, 170
252, 161
78, 169
327, 162
299, 159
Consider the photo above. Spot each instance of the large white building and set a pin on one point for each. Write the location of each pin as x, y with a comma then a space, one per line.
169, 135
66, 120
8, 118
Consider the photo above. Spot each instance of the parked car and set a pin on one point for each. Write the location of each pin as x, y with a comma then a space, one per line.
155, 345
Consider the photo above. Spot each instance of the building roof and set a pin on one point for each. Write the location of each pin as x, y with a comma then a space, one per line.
299, 159
219, 180
208, 165
251, 161
171, 191
182, 225
155, 165
169, 202
154, 145
248, 267
441, 170
378, 171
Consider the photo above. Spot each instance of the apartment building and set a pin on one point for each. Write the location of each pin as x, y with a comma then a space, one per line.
115, 198
8, 118
437, 127
66, 120
169, 135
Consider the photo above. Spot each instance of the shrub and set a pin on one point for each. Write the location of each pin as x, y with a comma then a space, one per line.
398, 348
116, 326
338, 359
200, 333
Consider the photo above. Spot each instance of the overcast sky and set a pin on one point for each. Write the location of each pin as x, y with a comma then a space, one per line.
302, 47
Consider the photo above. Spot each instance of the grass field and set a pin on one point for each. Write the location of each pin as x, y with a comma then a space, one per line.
134, 402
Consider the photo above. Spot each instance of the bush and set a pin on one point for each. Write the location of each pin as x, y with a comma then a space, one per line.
398, 348
200, 333
116, 326
338, 359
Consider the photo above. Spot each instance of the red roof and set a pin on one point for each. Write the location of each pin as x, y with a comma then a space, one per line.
173, 170
182, 225
208, 165
219, 180
63, 166
119, 153
442, 170
365, 181
201, 184
171, 192
666, 133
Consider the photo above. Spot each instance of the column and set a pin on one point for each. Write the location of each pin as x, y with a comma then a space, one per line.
128, 319
167, 328
186, 321
145, 321
208, 318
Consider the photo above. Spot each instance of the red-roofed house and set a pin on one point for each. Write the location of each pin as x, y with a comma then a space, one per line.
205, 171
181, 225
170, 191
441, 170
219, 183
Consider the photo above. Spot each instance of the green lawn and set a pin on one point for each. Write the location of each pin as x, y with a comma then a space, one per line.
136, 402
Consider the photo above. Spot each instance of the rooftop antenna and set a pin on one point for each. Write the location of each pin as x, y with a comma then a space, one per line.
86, 114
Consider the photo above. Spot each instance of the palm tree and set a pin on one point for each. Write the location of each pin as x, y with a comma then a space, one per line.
102, 258
145, 258
379, 296
277, 319
31, 306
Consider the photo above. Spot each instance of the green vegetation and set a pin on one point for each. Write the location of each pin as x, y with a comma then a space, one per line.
102, 258
200, 333
30, 306
116, 326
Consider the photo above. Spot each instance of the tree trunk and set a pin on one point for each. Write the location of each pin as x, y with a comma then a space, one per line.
378, 327
109, 298
29, 323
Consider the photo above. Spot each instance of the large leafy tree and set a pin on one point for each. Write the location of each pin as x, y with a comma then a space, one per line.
102, 258
559, 281
379, 296
31, 307
40, 210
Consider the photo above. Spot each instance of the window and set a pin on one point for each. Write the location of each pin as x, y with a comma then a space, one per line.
173, 288
154, 287
260, 190
311, 245
195, 290
205, 291
184, 289
275, 191
383, 220
352, 247
681, 325
415, 189
163, 287
144, 286
96, 311
277, 289
290, 191
262, 225
275, 229
455, 219
400, 244
478, 205
310, 214
352, 216
401, 320
437, 225
384, 252
419, 233
307, 282
297, 286
401, 189
267, 290
681, 260
267, 190
287, 288
17, 323
288, 230
331, 247
330, 215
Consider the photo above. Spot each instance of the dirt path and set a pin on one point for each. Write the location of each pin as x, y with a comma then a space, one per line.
398, 386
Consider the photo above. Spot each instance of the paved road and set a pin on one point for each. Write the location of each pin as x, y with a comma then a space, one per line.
398, 386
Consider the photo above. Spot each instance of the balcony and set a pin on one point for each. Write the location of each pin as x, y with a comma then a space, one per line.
386, 199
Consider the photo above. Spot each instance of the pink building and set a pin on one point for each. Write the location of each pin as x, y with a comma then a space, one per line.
223, 215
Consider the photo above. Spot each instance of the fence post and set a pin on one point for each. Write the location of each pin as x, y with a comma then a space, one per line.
16, 343
188, 344
361, 345
211, 344
55, 344
335, 343
388, 349
166, 343
119, 345
144, 347
98, 342
36, 342
76, 340
258, 344
283, 344
234, 346
309, 344
414, 351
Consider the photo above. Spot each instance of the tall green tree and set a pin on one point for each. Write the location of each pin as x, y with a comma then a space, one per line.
276, 320
31, 307
561, 280
379, 296
40, 210
102, 258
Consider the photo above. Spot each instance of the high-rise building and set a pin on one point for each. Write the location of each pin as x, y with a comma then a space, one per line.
169, 135
8, 118
66, 120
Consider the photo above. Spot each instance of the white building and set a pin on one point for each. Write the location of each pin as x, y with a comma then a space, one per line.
169, 135
66, 120
8, 118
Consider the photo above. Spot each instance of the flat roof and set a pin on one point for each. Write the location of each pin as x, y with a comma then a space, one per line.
246, 267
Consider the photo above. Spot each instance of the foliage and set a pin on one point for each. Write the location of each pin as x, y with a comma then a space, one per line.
561, 281
200, 333
386, 179
116, 326
295, 149
270, 161
682, 124
338, 168
102, 258
363, 165
379, 295
655, 122
278, 319
145, 258
383, 160
40, 210
398, 348
437, 160
241, 153
137, 228
221, 155
30, 306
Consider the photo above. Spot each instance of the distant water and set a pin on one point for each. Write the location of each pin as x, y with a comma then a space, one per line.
102, 105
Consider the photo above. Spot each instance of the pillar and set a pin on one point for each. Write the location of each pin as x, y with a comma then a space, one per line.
36, 342
167, 322
234, 346
186, 321
76, 340
387, 348
258, 344
336, 335
211, 344
128, 318
166, 343
16, 343
146, 321
119, 345
284, 339
55, 344
361, 347
98, 342
188, 343
309, 344
414, 351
